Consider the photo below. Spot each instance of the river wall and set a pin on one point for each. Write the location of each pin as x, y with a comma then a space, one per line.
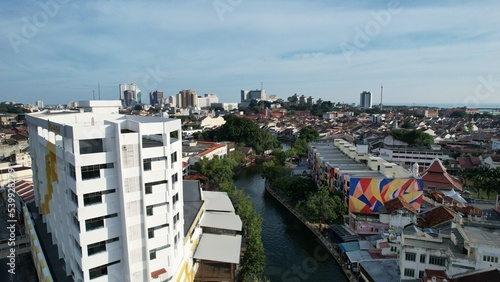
314, 227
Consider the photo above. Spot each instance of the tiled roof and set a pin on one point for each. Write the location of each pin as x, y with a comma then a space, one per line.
436, 216
437, 176
398, 203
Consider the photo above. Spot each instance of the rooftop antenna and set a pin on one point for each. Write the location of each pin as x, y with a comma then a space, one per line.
99, 90
381, 96
93, 94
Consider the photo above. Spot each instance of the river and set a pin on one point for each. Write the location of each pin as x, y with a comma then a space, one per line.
293, 252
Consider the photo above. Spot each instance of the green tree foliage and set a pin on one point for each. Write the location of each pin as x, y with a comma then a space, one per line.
308, 133
458, 114
319, 110
414, 138
217, 170
4, 108
481, 180
322, 206
243, 131
220, 173
295, 188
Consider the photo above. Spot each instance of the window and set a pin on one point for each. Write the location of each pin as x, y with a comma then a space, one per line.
175, 198
147, 164
98, 222
149, 186
96, 248
96, 197
490, 259
94, 171
422, 258
76, 222
74, 197
173, 157
176, 218
99, 246
77, 245
152, 254
175, 178
151, 231
72, 172
421, 274
409, 272
149, 210
410, 256
100, 270
91, 146
94, 223
92, 198
437, 261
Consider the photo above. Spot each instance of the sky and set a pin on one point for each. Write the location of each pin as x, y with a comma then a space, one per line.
420, 51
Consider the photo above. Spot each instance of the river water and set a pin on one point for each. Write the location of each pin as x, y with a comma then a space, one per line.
293, 252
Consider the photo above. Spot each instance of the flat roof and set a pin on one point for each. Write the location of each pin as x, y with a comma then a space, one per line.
217, 201
221, 220
483, 236
219, 247
381, 270
359, 255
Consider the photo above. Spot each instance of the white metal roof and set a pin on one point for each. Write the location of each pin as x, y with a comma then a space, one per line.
221, 220
217, 201
219, 247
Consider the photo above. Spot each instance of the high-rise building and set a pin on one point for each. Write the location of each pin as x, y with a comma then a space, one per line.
39, 104
187, 98
365, 100
248, 95
207, 100
109, 189
136, 95
156, 98
170, 100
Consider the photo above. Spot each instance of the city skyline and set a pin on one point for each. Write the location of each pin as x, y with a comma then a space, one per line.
425, 52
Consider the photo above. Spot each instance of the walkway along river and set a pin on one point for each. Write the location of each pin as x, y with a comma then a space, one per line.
293, 252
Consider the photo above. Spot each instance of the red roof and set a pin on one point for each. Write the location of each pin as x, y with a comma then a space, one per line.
437, 176
469, 162
436, 216
398, 203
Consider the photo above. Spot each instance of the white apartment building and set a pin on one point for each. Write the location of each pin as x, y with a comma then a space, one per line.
466, 249
109, 189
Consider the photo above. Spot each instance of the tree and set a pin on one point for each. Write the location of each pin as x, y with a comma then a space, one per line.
308, 133
322, 206
414, 138
244, 131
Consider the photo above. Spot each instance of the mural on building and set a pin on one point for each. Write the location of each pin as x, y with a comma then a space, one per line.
367, 195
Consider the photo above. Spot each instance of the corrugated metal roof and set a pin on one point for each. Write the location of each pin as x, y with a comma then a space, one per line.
217, 201
220, 248
221, 220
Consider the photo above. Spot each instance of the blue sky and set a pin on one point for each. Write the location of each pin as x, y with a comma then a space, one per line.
421, 51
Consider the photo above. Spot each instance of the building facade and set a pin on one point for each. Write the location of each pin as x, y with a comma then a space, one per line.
365, 100
109, 189
187, 98
156, 98
134, 94
207, 100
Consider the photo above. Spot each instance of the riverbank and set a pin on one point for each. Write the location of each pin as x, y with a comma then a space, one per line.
314, 227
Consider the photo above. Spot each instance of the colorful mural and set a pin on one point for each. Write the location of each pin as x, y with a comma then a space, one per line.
367, 195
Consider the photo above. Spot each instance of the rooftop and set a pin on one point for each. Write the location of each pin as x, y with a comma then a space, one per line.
382, 270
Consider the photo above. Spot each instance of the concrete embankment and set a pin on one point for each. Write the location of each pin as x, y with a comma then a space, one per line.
314, 227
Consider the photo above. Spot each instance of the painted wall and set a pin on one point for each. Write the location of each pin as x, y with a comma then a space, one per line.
367, 195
